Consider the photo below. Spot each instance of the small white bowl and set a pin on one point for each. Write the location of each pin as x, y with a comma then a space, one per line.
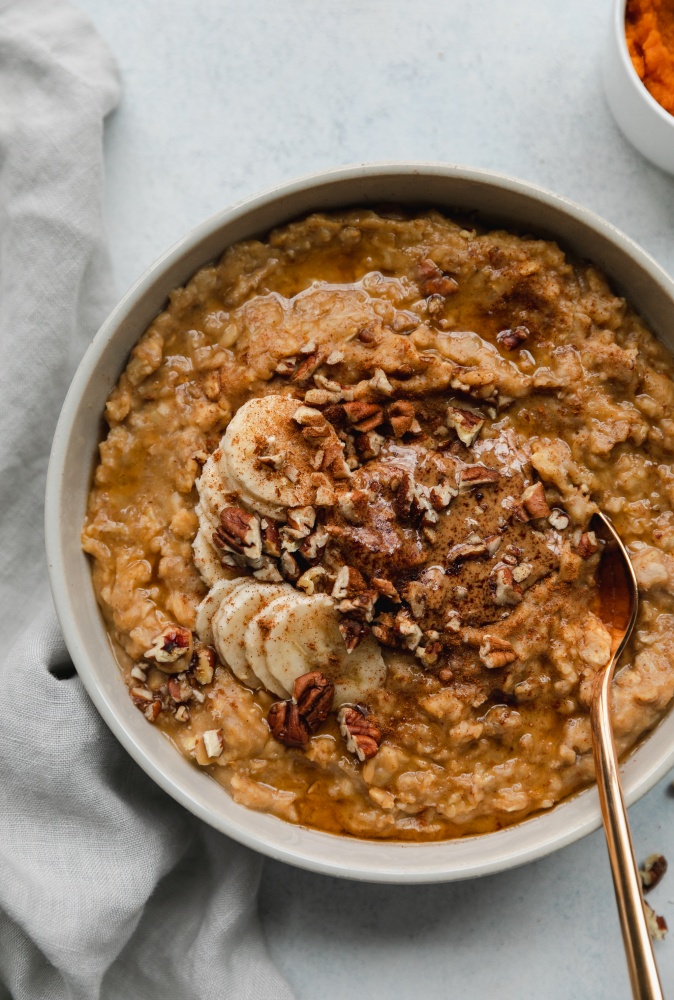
642, 120
497, 199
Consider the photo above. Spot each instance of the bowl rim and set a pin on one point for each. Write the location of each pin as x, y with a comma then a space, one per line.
388, 862
620, 38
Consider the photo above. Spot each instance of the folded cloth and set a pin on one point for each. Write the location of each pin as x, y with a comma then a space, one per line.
107, 887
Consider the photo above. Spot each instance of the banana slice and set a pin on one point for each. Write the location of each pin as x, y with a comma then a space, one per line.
230, 622
266, 425
207, 561
210, 606
298, 634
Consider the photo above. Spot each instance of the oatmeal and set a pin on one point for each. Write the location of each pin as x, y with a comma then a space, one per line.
340, 526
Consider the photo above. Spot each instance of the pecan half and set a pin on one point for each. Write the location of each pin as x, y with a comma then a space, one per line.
652, 871
360, 730
287, 725
353, 632
313, 694
510, 339
239, 531
466, 424
533, 500
476, 475
495, 652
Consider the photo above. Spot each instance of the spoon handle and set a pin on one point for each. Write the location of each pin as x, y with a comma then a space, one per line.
636, 938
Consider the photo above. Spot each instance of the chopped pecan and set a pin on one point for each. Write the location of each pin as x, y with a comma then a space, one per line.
408, 630
179, 689
369, 444
379, 383
213, 742
434, 281
270, 538
153, 711
429, 654
404, 495
534, 502
182, 713
286, 366
360, 605
348, 583
510, 339
657, 925
174, 642
273, 461
301, 520
495, 652
442, 494
558, 519
313, 694
314, 580
401, 417
313, 545
588, 545
385, 633
267, 571
476, 475
353, 632
334, 357
652, 871
360, 730
289, 567
307, 367
504, 588
203, 664
493, 543
287, 725
364, 416
369, 335
354, 504
386, 588
466, 550
239, 531
466, 424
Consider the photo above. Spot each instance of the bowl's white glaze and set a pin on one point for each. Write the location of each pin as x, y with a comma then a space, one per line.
642, 120
498, 199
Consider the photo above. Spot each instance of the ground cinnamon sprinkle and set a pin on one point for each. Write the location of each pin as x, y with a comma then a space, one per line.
649, 28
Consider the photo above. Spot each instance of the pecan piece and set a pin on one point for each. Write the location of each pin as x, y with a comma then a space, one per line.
313, 694
657, 925
287, 725
179, 689
360, 731
476, 475
504, 588
203, 664
466, 424
369, 444
286, 366
213, 742
353, 632
386, 588
270, 538
348, 583
433, 280
307, 368
408, 630
652, 871
307, 416
402, 417
510, 339
558, 519
588, 545
360, 606
239, 531
534, 502
495, 652
364, 416
168, 647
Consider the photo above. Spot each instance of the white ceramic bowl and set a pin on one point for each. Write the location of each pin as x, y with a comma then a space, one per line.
643, 121
496, 198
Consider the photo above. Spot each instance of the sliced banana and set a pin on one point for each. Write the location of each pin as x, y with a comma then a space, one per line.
207, 561
210, 606
262, 426
231, 620
299, 634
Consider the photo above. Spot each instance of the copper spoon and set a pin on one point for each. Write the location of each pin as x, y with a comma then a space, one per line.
618, 603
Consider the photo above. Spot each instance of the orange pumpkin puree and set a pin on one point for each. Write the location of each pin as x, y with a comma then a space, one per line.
649, 28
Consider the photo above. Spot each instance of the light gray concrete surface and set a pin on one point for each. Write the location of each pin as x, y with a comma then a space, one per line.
223, 98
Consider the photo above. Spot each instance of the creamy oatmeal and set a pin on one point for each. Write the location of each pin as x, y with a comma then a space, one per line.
340, 524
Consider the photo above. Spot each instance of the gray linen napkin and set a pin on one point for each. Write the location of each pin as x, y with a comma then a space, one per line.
107, 887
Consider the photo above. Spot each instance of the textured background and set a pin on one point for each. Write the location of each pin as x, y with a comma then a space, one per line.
224, 98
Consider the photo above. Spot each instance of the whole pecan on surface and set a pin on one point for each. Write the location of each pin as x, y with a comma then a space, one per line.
360, 730
287, 725
313, 694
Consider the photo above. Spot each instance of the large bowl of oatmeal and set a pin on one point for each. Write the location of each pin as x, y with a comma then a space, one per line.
318, 519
